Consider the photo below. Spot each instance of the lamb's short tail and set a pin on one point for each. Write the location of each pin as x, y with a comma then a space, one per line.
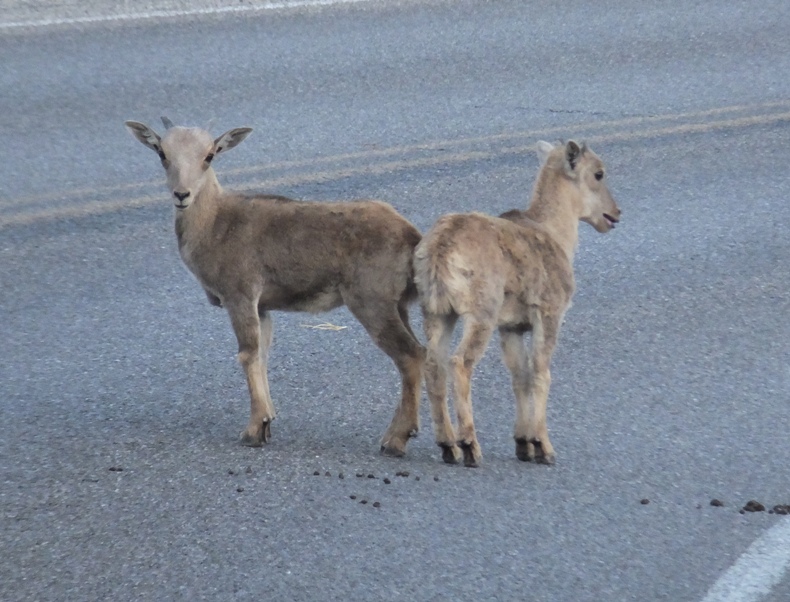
430, 276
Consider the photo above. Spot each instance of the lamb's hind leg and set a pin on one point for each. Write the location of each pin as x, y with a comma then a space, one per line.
254, 334
384, 323
438, 331
406, 421
544, 340
515, 356
473, 344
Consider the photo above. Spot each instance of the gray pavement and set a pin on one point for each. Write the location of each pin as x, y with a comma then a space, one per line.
38, 12
120, 397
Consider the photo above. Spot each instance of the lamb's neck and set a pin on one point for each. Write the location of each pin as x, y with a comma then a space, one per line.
554, 205
193, 224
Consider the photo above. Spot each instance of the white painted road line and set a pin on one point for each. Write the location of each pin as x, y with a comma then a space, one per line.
758, 570
159, 14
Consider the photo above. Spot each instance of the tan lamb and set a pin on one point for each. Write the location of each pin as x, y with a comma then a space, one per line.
513, 273
254, 254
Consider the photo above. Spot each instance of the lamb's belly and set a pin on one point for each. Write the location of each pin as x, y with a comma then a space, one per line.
513, 313
317, 303
521, 316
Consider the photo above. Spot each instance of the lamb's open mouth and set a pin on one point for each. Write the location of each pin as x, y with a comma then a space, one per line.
610, 220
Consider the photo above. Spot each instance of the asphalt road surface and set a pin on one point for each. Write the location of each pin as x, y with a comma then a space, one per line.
121, 400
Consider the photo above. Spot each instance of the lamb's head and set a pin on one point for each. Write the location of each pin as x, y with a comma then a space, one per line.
186, 155
587, 173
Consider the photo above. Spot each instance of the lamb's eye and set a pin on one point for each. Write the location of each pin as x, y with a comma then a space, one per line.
162, 155
209, 157
599, 175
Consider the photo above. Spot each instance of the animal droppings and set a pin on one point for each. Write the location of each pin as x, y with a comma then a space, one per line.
316, 473
371, 476
435, 478
327, 474
248, 470
644, 501
754, 506
416, 478
741, 511
715, 502
387, 481
402, 473
353, 497
363, 501
341, 476
360, 475
781, 509
115, 469
239, 489
376, 504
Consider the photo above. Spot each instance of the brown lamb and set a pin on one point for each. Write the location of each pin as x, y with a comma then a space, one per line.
260, 253
513, 273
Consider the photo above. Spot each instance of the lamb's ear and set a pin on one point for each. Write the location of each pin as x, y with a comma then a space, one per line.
166, 122
230, 139
572, 153
543, 149
145, 135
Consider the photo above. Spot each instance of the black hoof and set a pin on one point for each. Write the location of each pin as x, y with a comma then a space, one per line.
450, 454
258, 440
392, 452
249, 441
523, 451
470, 461
541, 457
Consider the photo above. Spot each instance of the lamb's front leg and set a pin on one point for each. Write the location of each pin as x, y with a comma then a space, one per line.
254, 335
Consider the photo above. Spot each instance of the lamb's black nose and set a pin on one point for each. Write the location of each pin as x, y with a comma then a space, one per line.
181, 195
